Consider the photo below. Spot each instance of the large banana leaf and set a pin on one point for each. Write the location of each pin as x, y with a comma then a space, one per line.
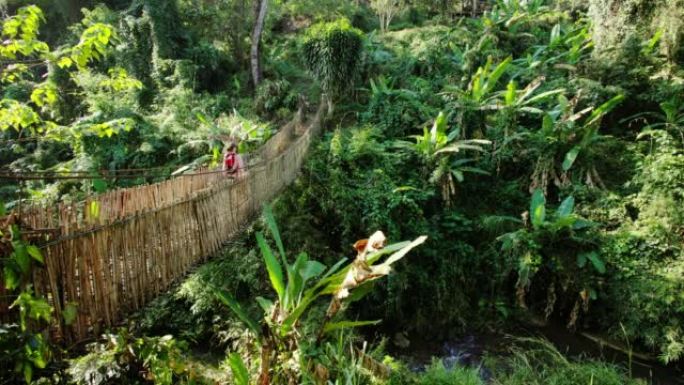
493, 78
332, 326
237, 366
228, 299
404, 250
273, 228
605, 108
275, 271
566, 207
570, 158
537, 208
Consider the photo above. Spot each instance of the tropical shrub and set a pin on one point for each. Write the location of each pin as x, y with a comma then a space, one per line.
647, 254
278, 334
537, 362
332, 52
396, 111
272, 97
125, 359
560, 247
437, 374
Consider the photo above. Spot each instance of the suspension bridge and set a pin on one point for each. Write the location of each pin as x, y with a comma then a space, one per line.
112, 253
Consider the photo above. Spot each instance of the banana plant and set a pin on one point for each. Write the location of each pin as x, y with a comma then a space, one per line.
296, 287
470, 101
525, 99
589, 130
535, 247
567, 45
481, 87
513, 102
511, 16
572, 136
439, 149
485, 79
670, 118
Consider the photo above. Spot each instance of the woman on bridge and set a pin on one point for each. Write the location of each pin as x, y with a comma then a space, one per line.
233, 164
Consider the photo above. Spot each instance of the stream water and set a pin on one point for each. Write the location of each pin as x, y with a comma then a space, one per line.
470, 349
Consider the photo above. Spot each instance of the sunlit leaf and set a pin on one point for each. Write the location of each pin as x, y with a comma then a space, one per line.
94, 209
401, 253
35, 253
566, 207
11, 277
238, 368
275, 271
510, 95
544, 95
39, 309
570, 158
65, 62
228, 300
404, 188
273, 228
538, 208
21, 256
438, 128
332, 326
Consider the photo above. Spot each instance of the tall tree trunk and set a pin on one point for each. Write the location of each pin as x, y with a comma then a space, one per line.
255, 55
238, 20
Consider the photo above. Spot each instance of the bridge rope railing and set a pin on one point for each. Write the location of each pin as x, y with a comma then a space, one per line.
116, 204
113, 260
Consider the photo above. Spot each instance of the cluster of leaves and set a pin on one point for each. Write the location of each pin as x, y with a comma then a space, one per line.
396, 111
23, 343
560, 245
22, 46
123, 358
275, 98
332, 52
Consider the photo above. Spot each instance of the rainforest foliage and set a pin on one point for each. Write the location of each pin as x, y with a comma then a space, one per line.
538, 144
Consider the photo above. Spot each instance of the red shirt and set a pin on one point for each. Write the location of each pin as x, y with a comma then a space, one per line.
229, 162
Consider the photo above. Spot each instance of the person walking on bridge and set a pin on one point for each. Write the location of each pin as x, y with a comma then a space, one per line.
233, 164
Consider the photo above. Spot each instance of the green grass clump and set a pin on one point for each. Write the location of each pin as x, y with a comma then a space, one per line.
538, 362
438, 374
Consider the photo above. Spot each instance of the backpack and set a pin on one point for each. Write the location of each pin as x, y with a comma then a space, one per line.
229, 162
